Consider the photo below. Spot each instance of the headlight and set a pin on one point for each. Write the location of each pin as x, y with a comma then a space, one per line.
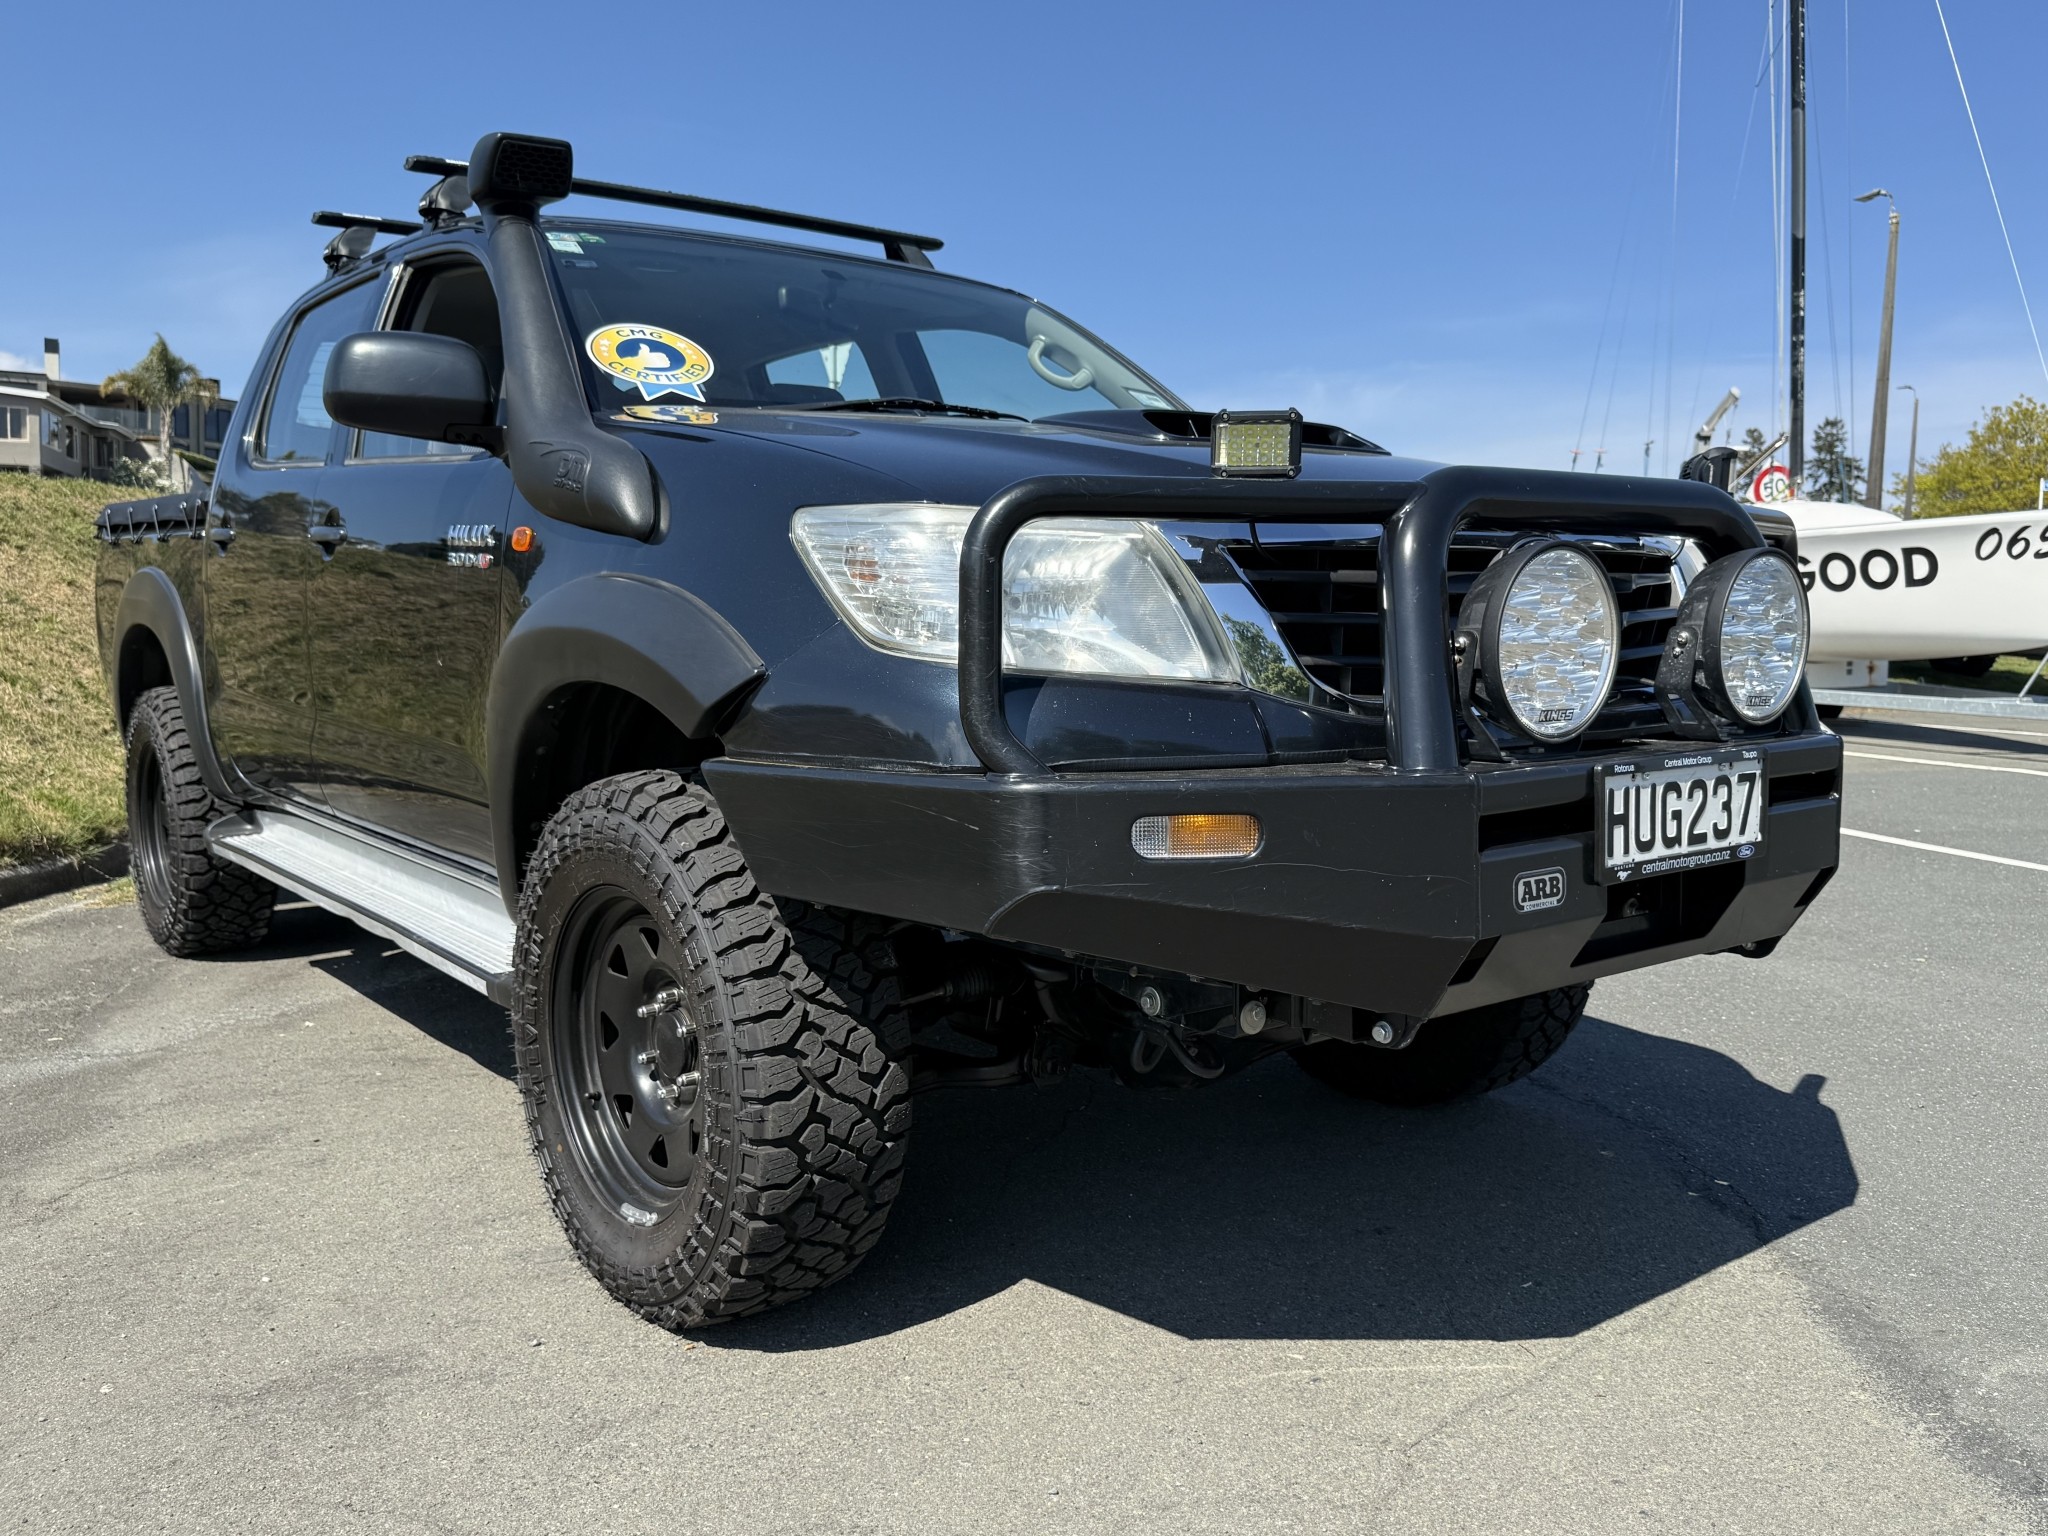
1080, 595
1543, 618
1738, 648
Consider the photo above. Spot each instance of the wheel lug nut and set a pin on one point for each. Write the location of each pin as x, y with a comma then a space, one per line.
661, 1002
647, 1058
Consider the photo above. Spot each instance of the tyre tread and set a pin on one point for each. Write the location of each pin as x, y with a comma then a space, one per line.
213, 905
819, 1052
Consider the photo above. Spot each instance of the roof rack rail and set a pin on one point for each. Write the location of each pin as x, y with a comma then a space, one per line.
359, 232
327, 218
896, 244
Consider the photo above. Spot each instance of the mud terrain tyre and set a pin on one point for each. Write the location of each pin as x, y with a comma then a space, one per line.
192, 902
1458, 1056
716, 1082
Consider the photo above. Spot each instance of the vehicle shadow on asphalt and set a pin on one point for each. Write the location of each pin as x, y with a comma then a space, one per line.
436, 1005
1270, 1207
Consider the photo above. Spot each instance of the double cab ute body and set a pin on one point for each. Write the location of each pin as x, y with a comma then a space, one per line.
790, 679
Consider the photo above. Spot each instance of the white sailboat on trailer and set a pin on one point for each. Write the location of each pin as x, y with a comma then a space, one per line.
1881, 588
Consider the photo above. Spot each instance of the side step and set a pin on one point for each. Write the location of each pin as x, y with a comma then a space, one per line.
448, 919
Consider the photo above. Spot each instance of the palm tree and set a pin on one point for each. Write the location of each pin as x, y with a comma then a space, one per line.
162, 381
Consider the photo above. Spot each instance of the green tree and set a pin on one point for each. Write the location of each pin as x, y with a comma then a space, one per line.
1831, 473
1266, 666
1998, 469
162, 381
1754, 442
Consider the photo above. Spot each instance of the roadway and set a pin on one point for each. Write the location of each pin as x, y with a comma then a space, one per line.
1760, 1250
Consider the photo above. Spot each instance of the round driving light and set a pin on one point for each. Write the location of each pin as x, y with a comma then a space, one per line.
1549, 638
1737, 652
1760, 639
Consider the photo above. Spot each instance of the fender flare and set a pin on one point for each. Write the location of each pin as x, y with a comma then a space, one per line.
646, 637
151, 602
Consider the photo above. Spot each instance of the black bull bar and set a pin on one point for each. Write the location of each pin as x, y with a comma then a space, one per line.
1419, 519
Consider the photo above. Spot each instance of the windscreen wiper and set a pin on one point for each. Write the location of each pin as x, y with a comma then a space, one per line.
910, 403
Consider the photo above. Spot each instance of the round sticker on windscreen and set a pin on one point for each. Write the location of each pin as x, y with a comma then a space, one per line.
656, 361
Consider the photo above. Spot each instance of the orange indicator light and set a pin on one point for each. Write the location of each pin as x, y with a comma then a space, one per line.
1230, 836
522, 540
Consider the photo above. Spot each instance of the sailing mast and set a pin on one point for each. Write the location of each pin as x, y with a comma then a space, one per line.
1795, 64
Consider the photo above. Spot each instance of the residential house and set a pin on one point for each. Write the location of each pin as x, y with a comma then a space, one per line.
51, 425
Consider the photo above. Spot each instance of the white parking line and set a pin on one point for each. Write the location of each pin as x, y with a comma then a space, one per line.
1948, 762
1960, 853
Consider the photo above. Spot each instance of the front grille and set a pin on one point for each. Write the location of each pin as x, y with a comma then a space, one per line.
1324, 597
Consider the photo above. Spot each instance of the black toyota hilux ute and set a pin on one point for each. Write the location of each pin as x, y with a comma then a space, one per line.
790, 680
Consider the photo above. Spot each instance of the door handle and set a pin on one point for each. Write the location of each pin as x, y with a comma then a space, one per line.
327, 534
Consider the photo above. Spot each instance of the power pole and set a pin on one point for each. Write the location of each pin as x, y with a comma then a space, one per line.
1912, 447
1873, 491
1795, 63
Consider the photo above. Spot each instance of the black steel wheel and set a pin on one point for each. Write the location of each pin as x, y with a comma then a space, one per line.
629, 1057
149, 855
1458, 1056
716, 1082
191, 902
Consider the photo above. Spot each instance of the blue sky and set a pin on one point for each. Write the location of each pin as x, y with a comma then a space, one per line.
1417, 220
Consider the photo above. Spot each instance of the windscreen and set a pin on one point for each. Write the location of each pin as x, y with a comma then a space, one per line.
674, 319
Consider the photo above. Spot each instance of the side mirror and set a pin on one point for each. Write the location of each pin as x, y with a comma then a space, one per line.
412, 385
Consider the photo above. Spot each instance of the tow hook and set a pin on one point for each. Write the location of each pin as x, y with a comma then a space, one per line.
1393, 1031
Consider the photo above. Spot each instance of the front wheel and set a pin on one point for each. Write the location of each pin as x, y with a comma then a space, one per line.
1458, 1056
716, 1083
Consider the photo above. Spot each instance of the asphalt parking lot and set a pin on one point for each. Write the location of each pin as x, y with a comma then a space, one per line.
1761, 1250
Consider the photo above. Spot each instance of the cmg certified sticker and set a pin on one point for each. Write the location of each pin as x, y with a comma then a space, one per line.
1536, 889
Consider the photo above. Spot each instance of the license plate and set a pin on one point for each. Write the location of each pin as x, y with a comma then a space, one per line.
1682, 811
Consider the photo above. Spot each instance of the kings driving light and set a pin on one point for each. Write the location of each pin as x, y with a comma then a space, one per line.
1542, 617
1080, 595
1255, 443
1210, 836
1738, 647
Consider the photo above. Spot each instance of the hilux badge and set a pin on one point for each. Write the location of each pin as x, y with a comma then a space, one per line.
471, 545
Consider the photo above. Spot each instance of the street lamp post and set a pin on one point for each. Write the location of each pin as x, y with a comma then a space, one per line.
1873, 489
1912, 447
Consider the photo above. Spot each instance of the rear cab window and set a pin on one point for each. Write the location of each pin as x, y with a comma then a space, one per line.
295, 427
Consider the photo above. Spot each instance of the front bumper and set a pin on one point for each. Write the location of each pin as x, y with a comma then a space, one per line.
1374, 887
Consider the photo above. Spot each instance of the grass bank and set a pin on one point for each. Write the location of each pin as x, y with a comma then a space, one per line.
2008, 675
60, 762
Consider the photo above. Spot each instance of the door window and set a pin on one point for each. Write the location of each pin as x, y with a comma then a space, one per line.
451, 300
296, 427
